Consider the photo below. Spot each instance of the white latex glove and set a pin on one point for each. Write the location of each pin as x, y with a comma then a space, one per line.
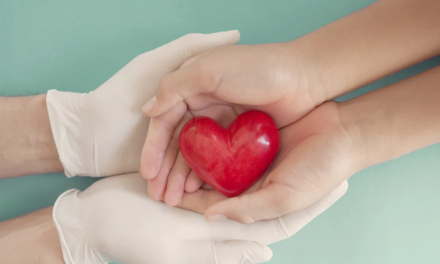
115, 220
101, 133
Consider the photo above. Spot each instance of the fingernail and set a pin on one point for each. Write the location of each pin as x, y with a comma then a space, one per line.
216, 217
149, 105
171, 198
148, 172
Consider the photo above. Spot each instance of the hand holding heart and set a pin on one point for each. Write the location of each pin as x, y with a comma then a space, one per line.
187, 93
315, 154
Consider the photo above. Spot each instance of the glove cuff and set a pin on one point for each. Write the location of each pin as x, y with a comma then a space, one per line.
67, 215
64, 110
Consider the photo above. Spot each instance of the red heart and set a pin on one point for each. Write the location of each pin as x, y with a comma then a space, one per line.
232, 159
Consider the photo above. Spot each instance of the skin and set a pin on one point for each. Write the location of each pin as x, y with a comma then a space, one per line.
30, 239
330, 144
290, 81
26, 141
27, 147
345, 137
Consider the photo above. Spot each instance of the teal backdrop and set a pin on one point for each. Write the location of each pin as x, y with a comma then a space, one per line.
391, 212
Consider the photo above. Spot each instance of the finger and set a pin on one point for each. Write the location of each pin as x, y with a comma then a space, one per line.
158, 185
172, 55
227, 252
280, 228
192, 59
203, 198
160, 131
200, 200
183, 49
191, 45
267, 203
176, 181
193, 182
179, 85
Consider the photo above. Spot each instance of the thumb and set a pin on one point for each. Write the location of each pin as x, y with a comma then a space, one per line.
229, 252
184, 48
268, 203
271, 202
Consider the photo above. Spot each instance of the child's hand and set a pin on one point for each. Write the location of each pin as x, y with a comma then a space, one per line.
333, 142
221, 84
316, 155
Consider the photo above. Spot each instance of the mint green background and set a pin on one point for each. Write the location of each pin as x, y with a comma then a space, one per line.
390, 213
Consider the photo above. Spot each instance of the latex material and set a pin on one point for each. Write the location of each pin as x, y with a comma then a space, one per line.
115, 220
101, 133
230, 160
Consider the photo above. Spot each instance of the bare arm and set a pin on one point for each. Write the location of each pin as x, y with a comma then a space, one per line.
396, 120
26, 141
367, 45
30, 239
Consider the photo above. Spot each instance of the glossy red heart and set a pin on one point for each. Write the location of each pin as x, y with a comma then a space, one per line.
232, 159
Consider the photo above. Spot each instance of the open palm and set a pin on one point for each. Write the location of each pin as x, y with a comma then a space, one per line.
315, 156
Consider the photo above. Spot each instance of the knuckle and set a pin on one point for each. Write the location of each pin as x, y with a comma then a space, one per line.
152, 145
168, 126
167, 89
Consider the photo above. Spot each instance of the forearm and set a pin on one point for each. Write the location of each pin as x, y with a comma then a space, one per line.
26, 141
30, 239
374, 42
395, 120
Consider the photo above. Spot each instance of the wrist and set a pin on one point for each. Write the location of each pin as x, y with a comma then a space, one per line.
395, 120
363, 119
26, 144
30, 239
308, 71
351, 121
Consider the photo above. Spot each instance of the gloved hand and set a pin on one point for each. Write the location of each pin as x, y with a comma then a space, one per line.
115, 220
101, 133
